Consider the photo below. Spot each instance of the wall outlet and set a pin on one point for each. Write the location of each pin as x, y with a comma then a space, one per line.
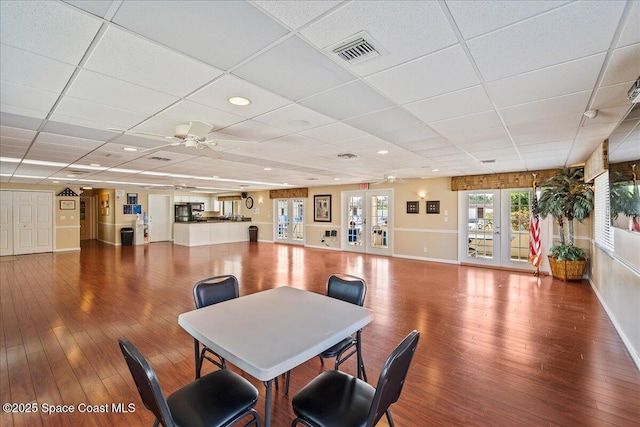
334, 233
327, 233
424, 249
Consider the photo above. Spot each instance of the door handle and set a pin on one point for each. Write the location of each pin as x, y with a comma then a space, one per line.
496, 232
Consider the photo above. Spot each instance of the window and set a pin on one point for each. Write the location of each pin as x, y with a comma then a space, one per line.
602, 213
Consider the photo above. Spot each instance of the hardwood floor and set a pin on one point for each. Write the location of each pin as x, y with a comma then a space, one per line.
497, 348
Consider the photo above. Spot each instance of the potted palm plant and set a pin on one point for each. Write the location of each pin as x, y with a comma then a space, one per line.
566, 197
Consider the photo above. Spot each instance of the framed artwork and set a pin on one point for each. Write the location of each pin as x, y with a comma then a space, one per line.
132, 198
433, 206
104, 204
322, 208
413, 207
67, 205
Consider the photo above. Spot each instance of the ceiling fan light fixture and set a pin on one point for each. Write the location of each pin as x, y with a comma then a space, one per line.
591, 114
239, 100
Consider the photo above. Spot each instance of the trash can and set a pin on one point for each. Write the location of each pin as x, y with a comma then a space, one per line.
253, 233
126, 236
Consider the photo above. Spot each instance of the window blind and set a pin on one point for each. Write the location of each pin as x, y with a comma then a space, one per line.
602, 213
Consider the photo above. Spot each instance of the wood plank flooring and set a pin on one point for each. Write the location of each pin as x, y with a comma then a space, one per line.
497, 348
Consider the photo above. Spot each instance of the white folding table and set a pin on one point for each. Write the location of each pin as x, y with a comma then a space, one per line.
268, 333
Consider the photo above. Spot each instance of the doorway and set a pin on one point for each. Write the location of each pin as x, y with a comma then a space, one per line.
87, 218
494, 227
367, 221
27, 222
159, 218
290, 223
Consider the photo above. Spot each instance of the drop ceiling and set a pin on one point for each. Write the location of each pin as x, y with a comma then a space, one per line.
455, 83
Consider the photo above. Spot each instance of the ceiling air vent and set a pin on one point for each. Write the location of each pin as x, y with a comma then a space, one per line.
160, 159
356, 51
347, 156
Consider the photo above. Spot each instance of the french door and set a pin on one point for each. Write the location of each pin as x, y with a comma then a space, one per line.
367, 221
290, 223
494, 227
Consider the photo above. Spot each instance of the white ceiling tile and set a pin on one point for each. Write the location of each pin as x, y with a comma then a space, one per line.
187, 111
28, 69
467, 124
19, 121
96, 7
56, 30
623, 66
547, 108
334, 132
540, 150
554, 125
454, 104
288, 118
53, 138
90, 86
570, 32
557, 80
88, 114
218, 92
474, 18
424, 29
26, 97
476, 146
346, 101
630, 33
295, 14
432, 75
22, 111
408, 134
76, 131
384, 121
482, 135
17, 133
612, 96
220, 33
536, 135
128, 57
8, 168
362, 143
254, 131
293, 70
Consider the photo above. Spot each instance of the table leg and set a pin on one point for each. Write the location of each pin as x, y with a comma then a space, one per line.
267, 403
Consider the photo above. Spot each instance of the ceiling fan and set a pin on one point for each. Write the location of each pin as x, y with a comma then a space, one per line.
190, 135
388, 179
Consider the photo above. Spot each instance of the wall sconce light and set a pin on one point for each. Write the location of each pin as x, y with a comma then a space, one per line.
260, 200
422, 194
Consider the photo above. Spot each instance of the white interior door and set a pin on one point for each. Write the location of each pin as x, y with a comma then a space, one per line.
32, 222
159, 218
367, 221
6, 223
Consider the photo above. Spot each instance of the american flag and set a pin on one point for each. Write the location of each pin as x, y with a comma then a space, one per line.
534, 232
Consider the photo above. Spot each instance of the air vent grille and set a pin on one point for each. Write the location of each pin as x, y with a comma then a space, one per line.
160, 159
347, 156
356, 51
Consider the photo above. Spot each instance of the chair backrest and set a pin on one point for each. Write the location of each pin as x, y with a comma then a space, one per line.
392, 377
213, 290
347, 288
146, 382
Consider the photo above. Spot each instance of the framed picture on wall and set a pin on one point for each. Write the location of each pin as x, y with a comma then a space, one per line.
433, 206
322, 208
132, 198
67, 205
413, 207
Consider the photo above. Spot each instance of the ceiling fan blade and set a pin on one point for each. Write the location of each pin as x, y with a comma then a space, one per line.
230, 141
173, 144
211, 153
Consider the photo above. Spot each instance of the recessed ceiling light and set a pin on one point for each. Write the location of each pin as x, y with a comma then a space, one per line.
94, 164
336, 179
87, 188
383, 152
435, 170
239, 100
130, 149
268, 169
56, 182
71, 175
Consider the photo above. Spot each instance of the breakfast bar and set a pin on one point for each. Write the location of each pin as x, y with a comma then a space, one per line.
210, 233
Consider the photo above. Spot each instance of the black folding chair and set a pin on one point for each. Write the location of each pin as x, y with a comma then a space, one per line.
336, 399
219, 399
207, 292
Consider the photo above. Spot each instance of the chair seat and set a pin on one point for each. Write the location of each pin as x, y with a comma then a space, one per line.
336, 349
345, 401
212, 400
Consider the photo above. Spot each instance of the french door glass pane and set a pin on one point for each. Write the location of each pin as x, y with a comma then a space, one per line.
283, 219
356, 222
481, 225
379, 219
298, 219
519, 225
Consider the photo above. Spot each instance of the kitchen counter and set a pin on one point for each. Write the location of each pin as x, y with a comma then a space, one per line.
214, 220
199, 233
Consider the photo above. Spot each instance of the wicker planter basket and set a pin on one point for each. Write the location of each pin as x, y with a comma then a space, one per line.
567, 270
